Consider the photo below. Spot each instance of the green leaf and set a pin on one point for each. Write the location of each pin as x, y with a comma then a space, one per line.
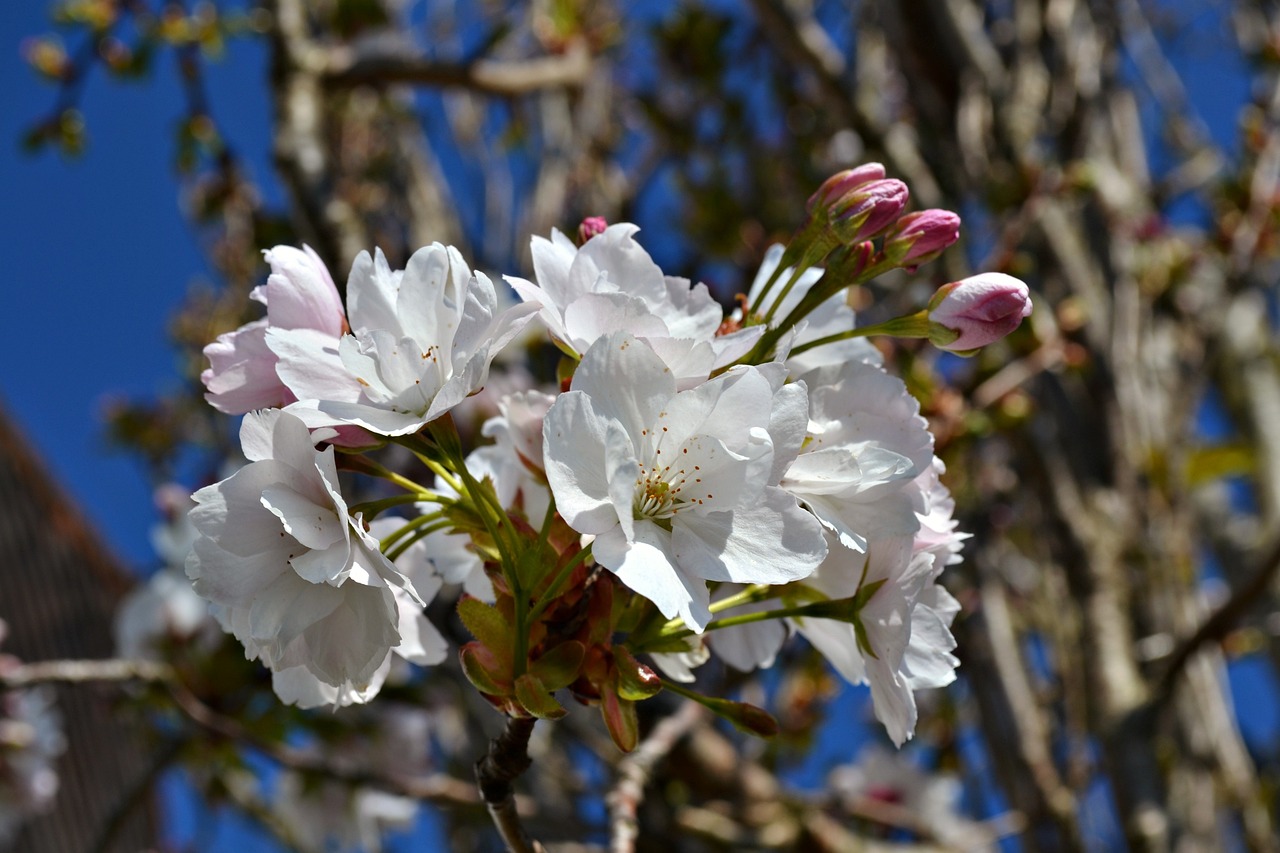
537, 699
487, 625
559, 667
484, 671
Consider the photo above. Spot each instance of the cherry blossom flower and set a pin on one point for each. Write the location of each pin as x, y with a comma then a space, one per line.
423, 340
612, 285
932, 798
295, 578
301, 300
866, 443
677, 487
879, 658
163, 610
420, 642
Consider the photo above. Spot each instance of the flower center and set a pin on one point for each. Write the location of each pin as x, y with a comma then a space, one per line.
663, 490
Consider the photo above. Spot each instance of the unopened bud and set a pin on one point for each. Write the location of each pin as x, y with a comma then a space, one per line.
919, 237
842, 183
590, 227
867, 211
973, 312
746, 717
847, 263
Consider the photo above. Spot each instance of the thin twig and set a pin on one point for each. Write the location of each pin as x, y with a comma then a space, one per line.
437, 788
1220, 622
634, 771
507, 758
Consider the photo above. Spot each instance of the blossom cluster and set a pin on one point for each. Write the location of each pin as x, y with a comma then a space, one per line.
696, 482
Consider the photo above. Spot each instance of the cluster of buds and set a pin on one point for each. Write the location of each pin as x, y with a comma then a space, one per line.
857, 229
861, 204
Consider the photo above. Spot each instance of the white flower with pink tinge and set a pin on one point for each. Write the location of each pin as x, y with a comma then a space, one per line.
297, 579
301, 301
422, 341
612, 285
968, 314
678, 487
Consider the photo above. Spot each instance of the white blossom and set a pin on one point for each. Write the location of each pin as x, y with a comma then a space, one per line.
301, 300
866, 443
932, 799
31, 740
165, 609
422, 341
611, 285
677, 486
299, 581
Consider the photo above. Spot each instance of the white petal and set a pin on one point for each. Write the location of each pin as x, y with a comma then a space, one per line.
626, 381
772, 542
310, 365
315, 526
576, 464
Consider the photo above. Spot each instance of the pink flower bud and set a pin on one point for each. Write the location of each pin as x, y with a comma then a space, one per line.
842, 183
865, 212
590, 227
979, 309
920, 237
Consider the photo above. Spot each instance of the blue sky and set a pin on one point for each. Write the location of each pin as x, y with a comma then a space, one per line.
98, 257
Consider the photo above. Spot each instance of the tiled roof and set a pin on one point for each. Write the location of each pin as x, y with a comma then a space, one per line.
59, 586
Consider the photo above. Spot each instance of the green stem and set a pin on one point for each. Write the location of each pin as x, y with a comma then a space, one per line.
749, 595
911, 326
788, 254
425, 453
374, 507
496, 522
835, 279
813, 253
407, 528
418, 534
680, 690
553, 589
836, 609
368, 466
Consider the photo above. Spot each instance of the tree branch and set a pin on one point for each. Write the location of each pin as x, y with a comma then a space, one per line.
507, 758
1220, 622
437, 788
635, 769
347, 67
78, 671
